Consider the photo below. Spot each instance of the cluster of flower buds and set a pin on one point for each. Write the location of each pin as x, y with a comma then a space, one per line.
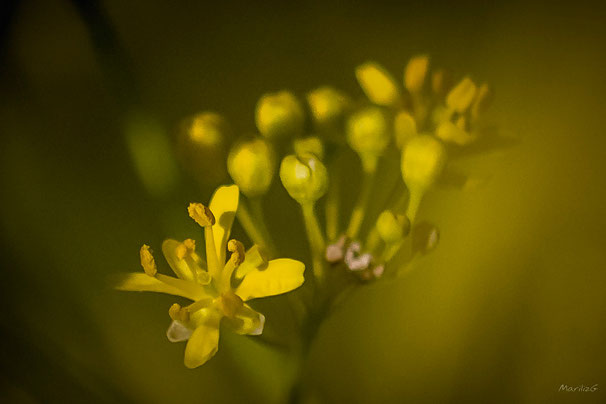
415, 121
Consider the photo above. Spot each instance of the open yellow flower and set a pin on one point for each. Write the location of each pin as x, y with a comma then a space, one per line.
218, 289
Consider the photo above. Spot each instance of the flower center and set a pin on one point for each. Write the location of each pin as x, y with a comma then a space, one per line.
230, 303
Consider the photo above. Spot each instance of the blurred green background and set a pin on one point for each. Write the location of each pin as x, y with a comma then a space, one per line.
510, 306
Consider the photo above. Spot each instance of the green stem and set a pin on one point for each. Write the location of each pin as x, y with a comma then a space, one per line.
357, 216
373, 241
316, 240
333, 199
413, 204
259, 218
250, 226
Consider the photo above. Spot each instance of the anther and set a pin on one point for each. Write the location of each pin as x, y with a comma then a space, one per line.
147, 260
186, 248
237, 252
201, 214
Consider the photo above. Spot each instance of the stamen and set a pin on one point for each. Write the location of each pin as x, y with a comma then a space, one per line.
205, 218
147, 260
200, 304
178, 313
185, 251
186, 248
237, 250
201, 214
237, 257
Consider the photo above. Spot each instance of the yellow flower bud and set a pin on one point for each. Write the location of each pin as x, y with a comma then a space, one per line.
279, 115
368, 133
405, 128
391, 228
482, 101
304, 177
251, 164
423, 159
377, 83
452, 133
441, 82
415, 72
311, 144
462, 95
202, 146
327, 106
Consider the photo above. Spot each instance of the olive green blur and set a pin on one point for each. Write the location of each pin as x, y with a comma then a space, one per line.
509, 306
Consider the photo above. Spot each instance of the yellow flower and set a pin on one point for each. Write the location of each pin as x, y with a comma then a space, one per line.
218, 289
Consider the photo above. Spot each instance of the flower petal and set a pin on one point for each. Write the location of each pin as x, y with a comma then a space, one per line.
203, 343
255, 258
140, 282
224, 204
246, 321
281, 275
177, 332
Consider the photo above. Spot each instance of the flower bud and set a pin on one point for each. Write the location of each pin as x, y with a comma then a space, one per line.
311, 144
251, 164
482, 101
452, 133
368, 133
462, 95
202, 146
415, 72
378, 85
405, 128
441, 82
279, 115
391, 228
327, 106
304, 177
423, 159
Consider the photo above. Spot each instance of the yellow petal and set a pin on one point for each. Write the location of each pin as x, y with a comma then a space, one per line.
281, 276
246, 321
140, 282
203, 343
224, 204
377, 83
255, 258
